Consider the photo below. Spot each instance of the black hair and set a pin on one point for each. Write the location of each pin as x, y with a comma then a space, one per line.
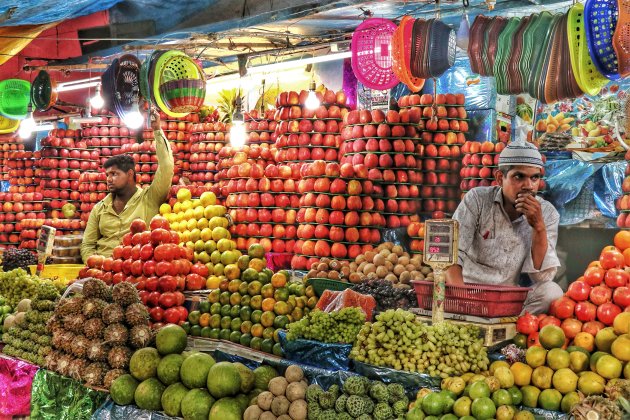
506, 168
123, 162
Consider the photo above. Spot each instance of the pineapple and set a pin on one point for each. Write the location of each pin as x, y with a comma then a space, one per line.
125, 294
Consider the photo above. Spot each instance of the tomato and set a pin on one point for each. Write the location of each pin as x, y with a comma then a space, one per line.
594, 275
611, 258
592, 327
607, 312
153, 299
564, 307
167, 284
171, 316
549, 320
163, 268
166, 300
579, 291
195, 282
156, 314
183, 313
585, 311
527, 324
571, 327
162, 253
621, 296
179, 298
151, 284
600, 294
117, 278
616, 277
200, 269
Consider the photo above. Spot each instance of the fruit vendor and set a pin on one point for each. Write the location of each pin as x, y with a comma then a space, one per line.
507, 233
111, 217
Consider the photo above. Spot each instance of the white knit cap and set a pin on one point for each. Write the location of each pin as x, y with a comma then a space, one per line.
520, 153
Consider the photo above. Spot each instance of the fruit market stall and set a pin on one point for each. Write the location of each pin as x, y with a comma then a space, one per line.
293, 270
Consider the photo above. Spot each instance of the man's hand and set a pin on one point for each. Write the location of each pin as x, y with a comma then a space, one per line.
527, 204
155, 119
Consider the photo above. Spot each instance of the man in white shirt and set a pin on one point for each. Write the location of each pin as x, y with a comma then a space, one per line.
506, 231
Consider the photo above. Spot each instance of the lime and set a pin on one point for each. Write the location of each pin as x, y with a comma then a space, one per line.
483, 408
433, 404
516, 395
502, 397
479, 390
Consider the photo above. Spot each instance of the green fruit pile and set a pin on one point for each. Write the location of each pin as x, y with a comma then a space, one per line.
188, 384
28, 338
16, 285
359, 398
397, 339
5, 311
329, 327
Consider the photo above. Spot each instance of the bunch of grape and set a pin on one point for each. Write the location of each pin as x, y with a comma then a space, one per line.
16, 285
328, 327
18, 258
387, 296
397, 339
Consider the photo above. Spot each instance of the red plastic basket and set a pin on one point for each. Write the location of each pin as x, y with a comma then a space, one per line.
474, 299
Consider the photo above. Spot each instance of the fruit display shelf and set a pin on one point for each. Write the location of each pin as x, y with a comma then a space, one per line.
623, 203
9, 149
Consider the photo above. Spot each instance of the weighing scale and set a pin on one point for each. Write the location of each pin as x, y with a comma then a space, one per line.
440, 252
45, 243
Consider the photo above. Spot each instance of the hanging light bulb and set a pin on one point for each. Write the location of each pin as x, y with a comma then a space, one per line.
27, 125
238, 134
312, 101
133, 119
97, 101
491, 4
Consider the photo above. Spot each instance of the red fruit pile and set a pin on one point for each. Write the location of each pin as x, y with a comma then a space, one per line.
479, 165
178, 133
305, 134
260, 130
145, 157
208, 138
337, 218
93, 188
107, 136
153, 261
236, 164
623, 202
591, 302
8, 145
21, 171
382, 149
15, 211
263, 206
443, 125
415, 231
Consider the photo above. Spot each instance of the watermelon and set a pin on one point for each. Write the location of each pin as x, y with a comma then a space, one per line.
224, 380
226, 409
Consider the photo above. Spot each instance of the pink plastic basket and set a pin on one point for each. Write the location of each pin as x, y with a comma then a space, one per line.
371, 55
474, 299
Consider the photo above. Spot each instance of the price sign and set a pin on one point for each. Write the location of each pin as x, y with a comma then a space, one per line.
45, 244
440, 242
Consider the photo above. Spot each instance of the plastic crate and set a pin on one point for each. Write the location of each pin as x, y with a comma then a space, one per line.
474, 299
319, 285
60, 271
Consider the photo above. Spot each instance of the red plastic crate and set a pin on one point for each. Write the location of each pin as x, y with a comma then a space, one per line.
474, 299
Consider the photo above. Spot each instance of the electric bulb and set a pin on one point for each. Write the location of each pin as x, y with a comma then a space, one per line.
312, 102
27, 126
97, 101
133, 119
237, 135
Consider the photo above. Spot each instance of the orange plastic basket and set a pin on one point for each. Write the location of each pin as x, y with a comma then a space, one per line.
621, 38
474, 299
401, 54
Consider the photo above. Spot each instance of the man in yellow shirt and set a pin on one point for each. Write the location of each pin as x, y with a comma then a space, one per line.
110, 218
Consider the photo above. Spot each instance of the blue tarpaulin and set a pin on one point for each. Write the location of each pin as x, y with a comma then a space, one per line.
39, 12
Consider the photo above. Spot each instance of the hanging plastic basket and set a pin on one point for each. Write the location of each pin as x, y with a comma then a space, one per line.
43, 92
621, 38
154, 80
127, 84
8, 125
182, 84
15, 95
371, 54
442, 51
600, 22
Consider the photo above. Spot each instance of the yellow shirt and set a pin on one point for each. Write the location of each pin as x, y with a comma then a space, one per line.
105, 228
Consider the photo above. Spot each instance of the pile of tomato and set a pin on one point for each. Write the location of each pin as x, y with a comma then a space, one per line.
592, 301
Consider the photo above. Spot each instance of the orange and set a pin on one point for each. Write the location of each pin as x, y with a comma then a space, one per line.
268, 304
267, 319
584, 340
278, 280
257, 330
626, 256
280, 308
204, 320
267, 291
622, 240
256, 302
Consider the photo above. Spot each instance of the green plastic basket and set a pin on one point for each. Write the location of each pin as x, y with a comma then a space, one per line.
15, 95
319, 285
